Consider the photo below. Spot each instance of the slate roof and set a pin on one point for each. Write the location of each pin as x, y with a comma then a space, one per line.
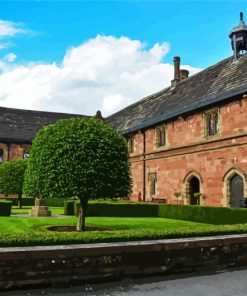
20, 126
212, 86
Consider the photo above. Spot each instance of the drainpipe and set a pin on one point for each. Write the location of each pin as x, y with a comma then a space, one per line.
144, 165
8, 148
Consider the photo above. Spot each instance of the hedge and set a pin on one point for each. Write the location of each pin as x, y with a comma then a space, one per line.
211, 215
32, 238
120, 209
69, 207
5, 208
25, 201
55, 202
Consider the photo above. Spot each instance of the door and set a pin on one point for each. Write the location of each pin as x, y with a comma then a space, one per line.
237, 190
194, 188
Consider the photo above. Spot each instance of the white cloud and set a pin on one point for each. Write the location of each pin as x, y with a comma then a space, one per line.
8, 28
105, 73
10, 57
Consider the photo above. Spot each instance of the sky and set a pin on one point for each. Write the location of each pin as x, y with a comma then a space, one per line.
83, 56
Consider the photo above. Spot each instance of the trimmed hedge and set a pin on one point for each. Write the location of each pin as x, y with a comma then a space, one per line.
34, 238
211, 215
5, 208
120, 209
55, 202
69, 207
25, 201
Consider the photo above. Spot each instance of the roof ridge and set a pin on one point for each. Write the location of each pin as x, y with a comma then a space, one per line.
39, 111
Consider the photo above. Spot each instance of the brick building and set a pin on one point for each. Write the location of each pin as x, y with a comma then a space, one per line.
191, 138
187, 142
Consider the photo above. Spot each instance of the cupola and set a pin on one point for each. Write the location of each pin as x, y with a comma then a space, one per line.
238, 36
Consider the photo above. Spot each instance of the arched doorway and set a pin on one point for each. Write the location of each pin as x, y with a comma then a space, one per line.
194, 187
236, 190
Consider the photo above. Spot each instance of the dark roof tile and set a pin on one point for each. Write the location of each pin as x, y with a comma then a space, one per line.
212, 85
17, 125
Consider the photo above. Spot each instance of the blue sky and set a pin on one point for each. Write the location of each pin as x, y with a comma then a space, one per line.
48, 30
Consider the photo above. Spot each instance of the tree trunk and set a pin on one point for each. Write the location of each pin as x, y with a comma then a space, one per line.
19, 200
82, 215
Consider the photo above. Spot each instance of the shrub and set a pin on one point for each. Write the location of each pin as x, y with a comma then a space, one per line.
5, 208
78, 157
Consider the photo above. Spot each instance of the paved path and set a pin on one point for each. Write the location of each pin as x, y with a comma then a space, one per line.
232, 283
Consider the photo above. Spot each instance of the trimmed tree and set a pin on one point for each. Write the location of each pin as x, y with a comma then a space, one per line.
83, 158
12, 177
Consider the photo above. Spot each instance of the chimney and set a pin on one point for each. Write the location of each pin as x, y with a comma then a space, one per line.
184, 74
98, 116
176, 61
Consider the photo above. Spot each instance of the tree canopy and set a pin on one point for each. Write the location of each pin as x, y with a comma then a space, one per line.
78, 157
12, 177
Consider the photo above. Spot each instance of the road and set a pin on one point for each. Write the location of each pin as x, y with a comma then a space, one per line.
230, 283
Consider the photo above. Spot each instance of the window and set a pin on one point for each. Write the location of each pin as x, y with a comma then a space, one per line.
25, 154
1, 155
212, 119
131, 144
160, 136
152, 179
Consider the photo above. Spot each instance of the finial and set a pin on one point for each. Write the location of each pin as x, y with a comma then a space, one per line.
241, 16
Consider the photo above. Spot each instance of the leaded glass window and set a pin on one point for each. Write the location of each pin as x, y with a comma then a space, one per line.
212, 123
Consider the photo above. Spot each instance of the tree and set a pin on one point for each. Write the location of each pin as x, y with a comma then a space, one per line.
78, 157
12, 177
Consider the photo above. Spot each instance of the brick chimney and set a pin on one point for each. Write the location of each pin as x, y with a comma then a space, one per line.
184, 74
176, 61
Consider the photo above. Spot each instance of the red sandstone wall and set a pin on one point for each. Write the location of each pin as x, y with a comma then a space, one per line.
211, 157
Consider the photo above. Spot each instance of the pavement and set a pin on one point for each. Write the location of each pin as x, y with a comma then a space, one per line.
227, 283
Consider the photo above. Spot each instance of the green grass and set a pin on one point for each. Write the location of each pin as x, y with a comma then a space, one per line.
25, 210
24, 231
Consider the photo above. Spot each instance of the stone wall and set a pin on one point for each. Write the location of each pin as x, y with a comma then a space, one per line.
188, 151
64, 265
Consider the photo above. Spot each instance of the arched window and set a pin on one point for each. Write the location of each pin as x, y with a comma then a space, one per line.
212, 123
160, 136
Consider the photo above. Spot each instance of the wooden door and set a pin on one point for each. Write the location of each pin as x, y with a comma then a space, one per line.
237, 190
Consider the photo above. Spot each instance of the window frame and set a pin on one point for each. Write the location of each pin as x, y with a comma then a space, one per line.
131, 144
152, 178
161, 141
212, 128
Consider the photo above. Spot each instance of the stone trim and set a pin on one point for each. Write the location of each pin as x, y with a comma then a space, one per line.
186, 186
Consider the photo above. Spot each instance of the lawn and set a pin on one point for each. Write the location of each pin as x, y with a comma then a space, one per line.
27, 231
23, 224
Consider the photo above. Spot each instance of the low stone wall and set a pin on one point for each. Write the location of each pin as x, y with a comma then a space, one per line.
63, 265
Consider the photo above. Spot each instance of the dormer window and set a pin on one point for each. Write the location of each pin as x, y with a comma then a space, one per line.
160, 136
131, 144
212, 123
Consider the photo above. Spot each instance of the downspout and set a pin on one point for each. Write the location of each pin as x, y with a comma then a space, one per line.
8, 146
144, 165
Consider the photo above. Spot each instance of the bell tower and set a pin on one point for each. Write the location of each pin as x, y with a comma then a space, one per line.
238, 36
